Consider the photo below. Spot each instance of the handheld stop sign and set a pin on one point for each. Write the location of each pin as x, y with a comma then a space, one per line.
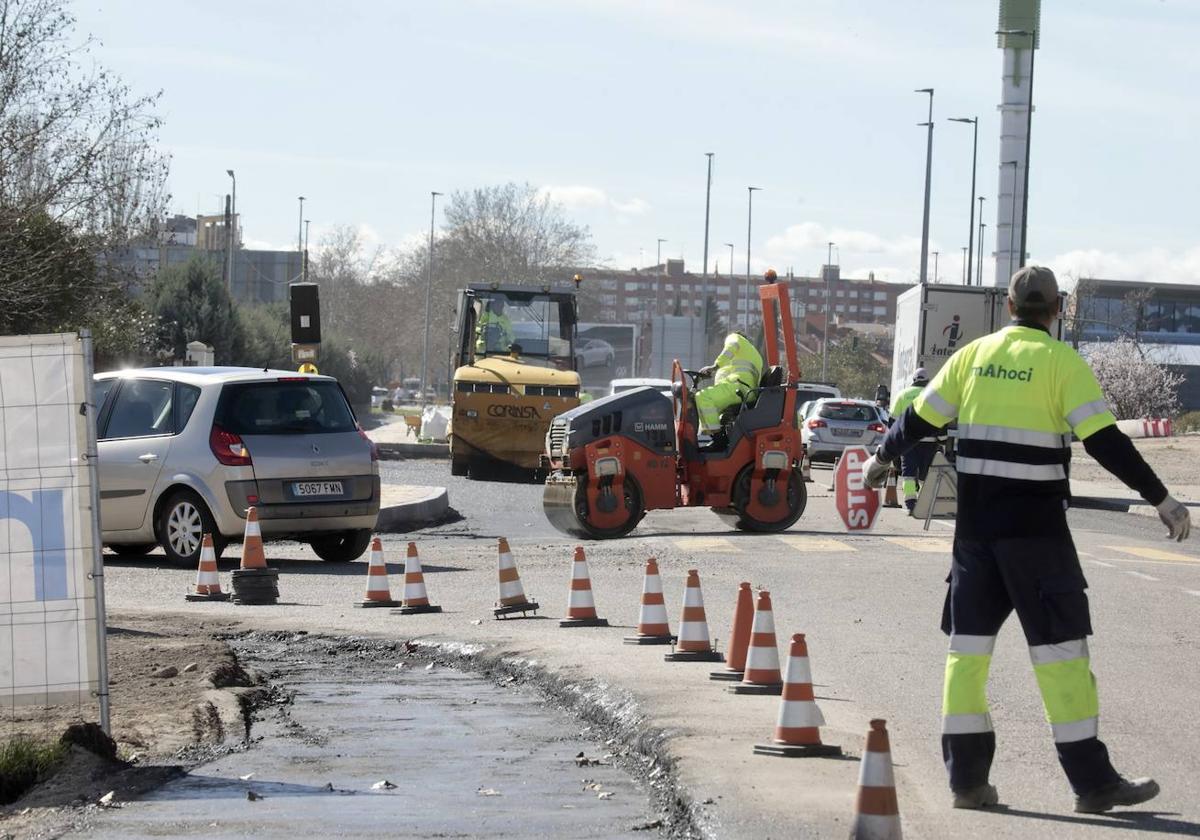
857, 504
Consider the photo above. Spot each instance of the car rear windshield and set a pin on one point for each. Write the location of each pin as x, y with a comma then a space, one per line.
284, 408
807, 394
841, 411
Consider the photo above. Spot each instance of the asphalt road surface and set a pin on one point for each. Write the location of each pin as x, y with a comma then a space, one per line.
870, 606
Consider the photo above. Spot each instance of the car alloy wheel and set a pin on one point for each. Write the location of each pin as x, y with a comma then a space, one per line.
185, 527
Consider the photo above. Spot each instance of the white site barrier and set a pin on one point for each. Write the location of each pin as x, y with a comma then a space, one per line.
52, 645
1148, 428
435, 421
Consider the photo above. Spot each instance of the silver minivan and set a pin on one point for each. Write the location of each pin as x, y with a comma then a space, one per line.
185, 451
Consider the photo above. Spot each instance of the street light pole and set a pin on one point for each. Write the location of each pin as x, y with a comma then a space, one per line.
300, 228
974, 160
966, 259
658, 262
433, 196
704, 282
229, 234
749, 222
979, 271
304, 267
928, 183
935, 261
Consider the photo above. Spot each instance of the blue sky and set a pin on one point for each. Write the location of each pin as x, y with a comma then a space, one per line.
364, 107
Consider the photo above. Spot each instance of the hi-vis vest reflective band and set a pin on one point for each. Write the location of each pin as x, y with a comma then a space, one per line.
1017, 394
739, 361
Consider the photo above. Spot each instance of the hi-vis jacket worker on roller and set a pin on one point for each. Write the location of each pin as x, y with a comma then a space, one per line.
737, 370
1017, 395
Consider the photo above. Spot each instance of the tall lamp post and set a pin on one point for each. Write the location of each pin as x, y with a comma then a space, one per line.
749, 226
733, 301
658, 262
828, 306
966, 260
704, 282
974, 160
928, 182
935, 262
979, 269
433, 196
229, 234
304, 266
300, 229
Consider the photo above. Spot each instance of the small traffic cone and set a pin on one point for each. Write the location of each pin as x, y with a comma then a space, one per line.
694, 644
797, 733
581, 609
416, 599
890, 499
652, 628
762, 660
512, 594
208, 582
379, 591
253, 556
739, 636
254, 583
877, 812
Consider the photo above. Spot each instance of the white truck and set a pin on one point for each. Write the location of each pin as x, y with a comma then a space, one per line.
934, 320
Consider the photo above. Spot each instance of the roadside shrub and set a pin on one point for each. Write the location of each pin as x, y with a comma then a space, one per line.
23, 762
1187, 422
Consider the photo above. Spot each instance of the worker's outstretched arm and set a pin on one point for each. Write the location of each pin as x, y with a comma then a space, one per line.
908, 430
1116, 453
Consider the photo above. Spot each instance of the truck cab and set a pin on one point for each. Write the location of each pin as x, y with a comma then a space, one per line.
515, 371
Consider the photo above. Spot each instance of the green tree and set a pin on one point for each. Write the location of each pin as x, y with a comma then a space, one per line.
193, 305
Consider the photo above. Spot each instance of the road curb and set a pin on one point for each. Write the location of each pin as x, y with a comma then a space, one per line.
400, 451
406, 515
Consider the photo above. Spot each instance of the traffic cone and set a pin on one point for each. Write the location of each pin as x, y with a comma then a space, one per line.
889, 495
797, 733
512, 594
416, 599
693, 644
253, 556
581, 609
739, 636
254, 583
208, 582
877, 812
762, 660
652, 626
379, 592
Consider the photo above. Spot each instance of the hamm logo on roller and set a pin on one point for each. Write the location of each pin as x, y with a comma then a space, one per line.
517, 412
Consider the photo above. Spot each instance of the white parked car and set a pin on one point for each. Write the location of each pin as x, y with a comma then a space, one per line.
593, 352
185, 451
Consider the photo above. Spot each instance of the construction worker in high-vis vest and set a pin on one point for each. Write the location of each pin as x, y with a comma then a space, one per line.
735, 373
493, 331
914, 464
1018, 395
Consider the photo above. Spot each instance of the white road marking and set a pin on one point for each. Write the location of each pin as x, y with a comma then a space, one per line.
1101, 563
716, 544
932, 545
1084, 554
1141, 575
807, 542
1192, 592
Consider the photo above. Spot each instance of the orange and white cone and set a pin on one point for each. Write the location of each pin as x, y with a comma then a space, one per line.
762, 659
798, 730
208, 582
739, 636
379, 592
253, 556
416, 599
877, 812
890, 498
693, 644
512, 594
652, 628
581, 608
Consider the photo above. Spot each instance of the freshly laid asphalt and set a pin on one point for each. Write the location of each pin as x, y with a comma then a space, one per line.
870, 606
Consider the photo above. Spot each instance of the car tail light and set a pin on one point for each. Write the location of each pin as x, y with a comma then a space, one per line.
228, 448
817, 424
370, 443
877, 427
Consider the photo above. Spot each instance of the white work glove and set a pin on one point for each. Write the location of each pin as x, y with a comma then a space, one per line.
1176, 517
875, 471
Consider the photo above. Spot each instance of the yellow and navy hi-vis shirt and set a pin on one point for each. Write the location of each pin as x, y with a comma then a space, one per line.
1017, 395
739, 361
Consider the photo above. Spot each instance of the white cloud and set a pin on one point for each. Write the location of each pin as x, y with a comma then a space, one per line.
1154, 264
578, 196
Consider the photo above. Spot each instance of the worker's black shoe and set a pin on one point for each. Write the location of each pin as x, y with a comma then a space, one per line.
1121, 792
981, 796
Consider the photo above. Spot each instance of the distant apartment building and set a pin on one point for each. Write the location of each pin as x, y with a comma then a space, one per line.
635, 295
259, 276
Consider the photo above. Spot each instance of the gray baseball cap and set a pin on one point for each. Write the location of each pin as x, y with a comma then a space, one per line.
1033, 286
